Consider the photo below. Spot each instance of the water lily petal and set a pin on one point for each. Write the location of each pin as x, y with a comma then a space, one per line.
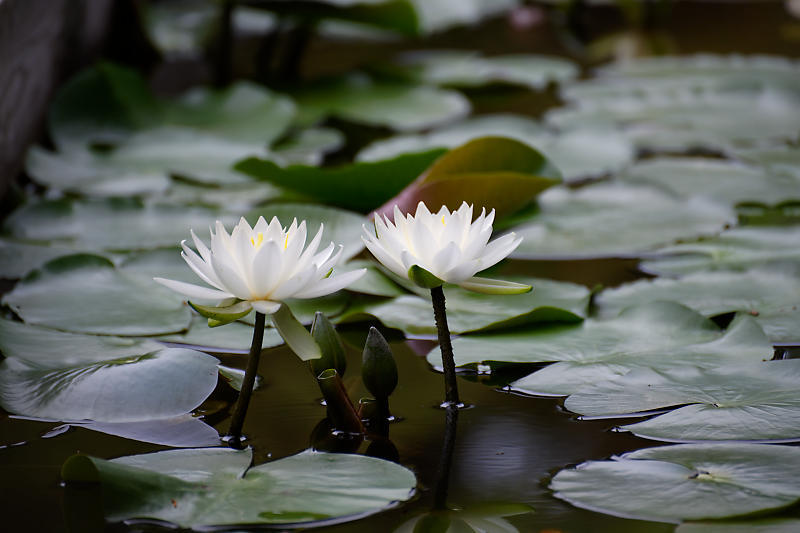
499, 249
267, 307
265, 270
331, 284
193, 291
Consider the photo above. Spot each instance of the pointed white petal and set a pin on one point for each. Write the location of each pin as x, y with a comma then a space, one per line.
265, 306
499, 249
193, 291
331, 284
266, 269
386, 259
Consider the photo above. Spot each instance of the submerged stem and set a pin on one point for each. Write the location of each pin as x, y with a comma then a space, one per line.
446, 458
445, 346
237, 421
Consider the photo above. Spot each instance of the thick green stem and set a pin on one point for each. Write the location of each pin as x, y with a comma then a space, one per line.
445, 346
341, 411
237, 421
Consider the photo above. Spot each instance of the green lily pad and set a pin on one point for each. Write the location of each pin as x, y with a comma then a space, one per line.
217, 486
577, 153
150, 385
237, 198
109, 224
235, 337
439, 15
614, 220
735, 249
771, 295
724, 181
474, 519
764, 525
776, 159
309, 146
460, 68
184, 431
374, 282
340, 226
738, 401
363, 101
550, 301
86, 294
352, 186
685, 482
17, 258
491, 172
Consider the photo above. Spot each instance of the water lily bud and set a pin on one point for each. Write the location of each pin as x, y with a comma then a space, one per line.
378, 370
330, 345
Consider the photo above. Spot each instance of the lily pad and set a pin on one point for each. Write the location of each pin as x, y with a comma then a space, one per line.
460, 68
776, 159
217, 486
309, 146
439, 15
740, 401
769, 294
578, 153
352, 186
86, 294
363, 101
17, 258
150, 385
239, 197
724, 181
235, 337
184, 431
550, 301
735, 249
374, 282
109, 224
614, 220
685, 482
763, 525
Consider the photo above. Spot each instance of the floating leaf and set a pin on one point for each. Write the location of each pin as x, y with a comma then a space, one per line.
215, 486
685, 482
352, 186
375, 281
734, 249
17, 258
86, 294
492, 172
400, 107
309, 146
235, 337
724, 181
577, 153
613, 220
479, 518
184, 431
776, 159
439, 15
146, 386
764, 525
549, 301
739, 401
769, 294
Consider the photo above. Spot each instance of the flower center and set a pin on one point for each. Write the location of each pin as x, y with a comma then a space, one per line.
258, 240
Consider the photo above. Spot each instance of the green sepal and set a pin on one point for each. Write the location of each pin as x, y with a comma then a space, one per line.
423, 278
219, 316
378, 368
295, 334
494, 286
330, 345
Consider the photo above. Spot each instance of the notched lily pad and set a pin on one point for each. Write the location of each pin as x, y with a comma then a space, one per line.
685, 482
217, 486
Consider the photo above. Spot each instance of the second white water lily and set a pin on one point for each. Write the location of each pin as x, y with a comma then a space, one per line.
262, 266
447, 245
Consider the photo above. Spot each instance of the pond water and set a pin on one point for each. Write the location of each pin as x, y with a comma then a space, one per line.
505, 447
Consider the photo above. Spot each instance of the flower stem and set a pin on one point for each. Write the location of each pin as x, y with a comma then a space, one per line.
448, 365
237, 421
446, 458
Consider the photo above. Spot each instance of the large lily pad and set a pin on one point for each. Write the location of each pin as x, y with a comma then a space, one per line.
549, 301
86, 294
439, 15
460, 68
352, 186
184, 431
217, 486
740, 401
235, 337
770, 294
577, 153
685, 482
17, 258
724, 181
109, 224
736, 249
763, 525
777, 159
400, 107
614, 220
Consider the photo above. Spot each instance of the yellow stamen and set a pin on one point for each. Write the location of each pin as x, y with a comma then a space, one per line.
442, 219
258, 240
286, 242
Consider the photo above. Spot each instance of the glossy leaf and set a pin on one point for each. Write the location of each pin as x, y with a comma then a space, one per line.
184, 431
685, 482
17, 258
492, 172
217, 486
86, 294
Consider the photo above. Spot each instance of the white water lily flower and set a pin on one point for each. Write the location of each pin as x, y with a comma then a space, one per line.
448, 245
262, 265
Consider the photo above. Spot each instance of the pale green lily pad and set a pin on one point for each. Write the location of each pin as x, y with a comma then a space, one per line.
736, 249
771, 295
550, 301
439, 15
739, 401
309, 146
460, 68
340, 226
235, 337
776, 159
578, 153
375, 281
184, 431
729, 182
614, 220
110, 224
150, 385
239, 197
481, 518
86, 294
400, 107
685, 482
17, 258
217, 486
764, 525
